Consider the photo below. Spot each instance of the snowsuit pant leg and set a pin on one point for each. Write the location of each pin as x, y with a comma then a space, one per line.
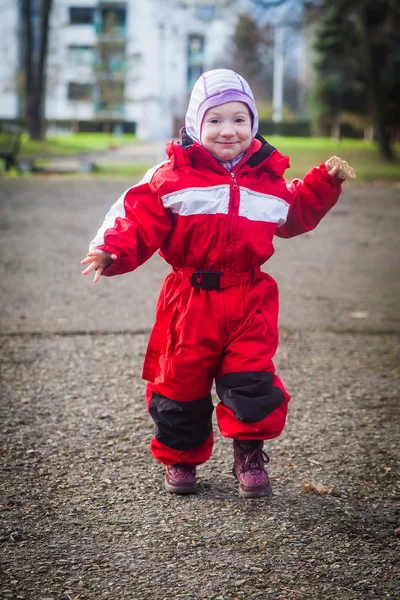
188, 354
254, 401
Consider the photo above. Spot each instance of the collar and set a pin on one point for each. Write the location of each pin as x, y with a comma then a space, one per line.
260, 155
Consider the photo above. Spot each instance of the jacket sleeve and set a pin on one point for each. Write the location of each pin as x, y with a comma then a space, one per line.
134, 228
309, 201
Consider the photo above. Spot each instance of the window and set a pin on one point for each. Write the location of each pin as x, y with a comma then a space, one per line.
80, 55
193, 73
80, 91
111, 57
195, 58
110, 97
81, 15
113, 21
205, 12
196, 49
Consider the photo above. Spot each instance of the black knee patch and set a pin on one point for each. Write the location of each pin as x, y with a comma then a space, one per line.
250, 395
181, 425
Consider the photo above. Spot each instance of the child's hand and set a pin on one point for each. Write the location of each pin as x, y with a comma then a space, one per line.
339, 168
99, 261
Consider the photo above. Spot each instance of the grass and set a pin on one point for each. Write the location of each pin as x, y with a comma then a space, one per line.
122, 170
110, 171
362, 156
303, 152
72, 144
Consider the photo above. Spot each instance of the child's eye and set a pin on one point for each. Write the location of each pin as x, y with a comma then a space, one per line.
214, 121
239, 120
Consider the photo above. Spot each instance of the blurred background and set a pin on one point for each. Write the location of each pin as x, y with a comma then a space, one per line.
87, 75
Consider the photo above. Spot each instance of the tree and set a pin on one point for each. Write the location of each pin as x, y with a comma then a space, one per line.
35, 17
261, 47
250, 47
358, 46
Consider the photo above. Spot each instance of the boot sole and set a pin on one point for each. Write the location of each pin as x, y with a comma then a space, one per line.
182, 491
255, 493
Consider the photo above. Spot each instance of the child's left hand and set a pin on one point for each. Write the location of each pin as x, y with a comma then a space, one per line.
338, 167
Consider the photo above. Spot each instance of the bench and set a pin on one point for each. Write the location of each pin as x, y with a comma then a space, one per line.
10, 141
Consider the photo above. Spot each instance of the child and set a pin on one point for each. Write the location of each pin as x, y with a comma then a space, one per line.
212, 209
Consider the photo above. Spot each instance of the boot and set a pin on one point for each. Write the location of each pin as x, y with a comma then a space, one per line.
180, 479
249, 468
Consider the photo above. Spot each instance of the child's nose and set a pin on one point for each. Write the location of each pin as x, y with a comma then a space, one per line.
227, 130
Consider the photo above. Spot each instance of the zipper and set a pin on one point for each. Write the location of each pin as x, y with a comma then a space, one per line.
234, 182
233, 211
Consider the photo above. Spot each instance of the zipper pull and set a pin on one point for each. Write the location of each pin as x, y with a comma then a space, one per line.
234, 182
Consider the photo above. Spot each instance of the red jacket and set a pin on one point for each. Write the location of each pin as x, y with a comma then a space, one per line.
200, 215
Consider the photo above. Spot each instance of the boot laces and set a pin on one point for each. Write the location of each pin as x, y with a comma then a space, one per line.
254, 460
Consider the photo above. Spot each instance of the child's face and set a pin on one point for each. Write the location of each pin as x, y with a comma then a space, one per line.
226, 130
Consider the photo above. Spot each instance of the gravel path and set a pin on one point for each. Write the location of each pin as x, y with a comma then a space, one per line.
82, 507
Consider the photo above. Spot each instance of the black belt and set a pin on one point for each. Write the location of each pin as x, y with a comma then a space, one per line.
215, 280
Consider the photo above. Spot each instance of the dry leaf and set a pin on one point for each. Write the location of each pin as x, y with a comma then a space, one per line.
359, 315
317, 488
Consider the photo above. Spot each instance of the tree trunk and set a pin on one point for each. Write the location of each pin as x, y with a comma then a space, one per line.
34, 58
376, 92
369, 133
335, 129
34, 120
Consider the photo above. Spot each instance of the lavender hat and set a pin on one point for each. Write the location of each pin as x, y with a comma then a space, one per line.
212, 89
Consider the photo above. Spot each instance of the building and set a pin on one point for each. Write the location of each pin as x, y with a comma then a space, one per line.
127, 65
9, 101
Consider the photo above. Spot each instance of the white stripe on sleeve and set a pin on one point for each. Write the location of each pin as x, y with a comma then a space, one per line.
262, 207
118, 209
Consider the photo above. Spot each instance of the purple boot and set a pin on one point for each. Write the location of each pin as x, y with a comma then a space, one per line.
249, 468
180, 479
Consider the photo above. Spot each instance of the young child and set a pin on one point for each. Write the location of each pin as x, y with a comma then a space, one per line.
212, 209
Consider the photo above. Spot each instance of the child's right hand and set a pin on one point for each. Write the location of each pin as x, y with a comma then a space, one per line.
99, 261
338, 167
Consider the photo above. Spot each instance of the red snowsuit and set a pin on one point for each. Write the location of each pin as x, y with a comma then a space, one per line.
217, 313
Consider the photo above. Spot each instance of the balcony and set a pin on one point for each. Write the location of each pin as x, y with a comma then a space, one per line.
111, 22
102, 112
109, 98
102, 74
110, 60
